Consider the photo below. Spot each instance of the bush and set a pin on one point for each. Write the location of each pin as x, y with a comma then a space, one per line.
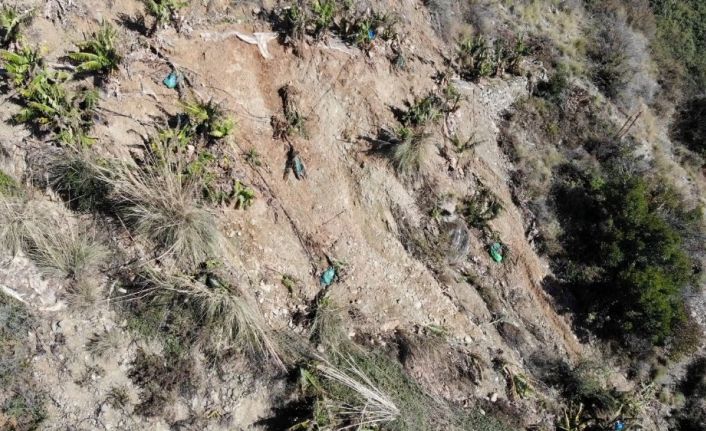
679, 44
624, 239
689, 125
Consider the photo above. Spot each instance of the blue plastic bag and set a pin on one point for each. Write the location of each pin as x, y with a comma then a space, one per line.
328, 276
171, 81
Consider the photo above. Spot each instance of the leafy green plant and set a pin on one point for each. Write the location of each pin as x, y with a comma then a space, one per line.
11, 21
324, 14
164, 11
8, 185
423, 111
98, 53
480, 208
21, 66
209, 119
252, 158
50, 107
243, 195
477, 58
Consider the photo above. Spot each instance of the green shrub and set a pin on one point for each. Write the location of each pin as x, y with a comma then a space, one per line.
49, 107
208, 119
480, 208
689, 126
624, 238
679, 43
163, 11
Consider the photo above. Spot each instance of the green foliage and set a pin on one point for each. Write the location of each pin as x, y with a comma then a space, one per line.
324, 14
679, 43
477, 58
99, 53
21, 66
426, 110
50, 108
11, 22
164, 11
625, 240
480, 208
76, 180
209, 119
689, 126
252, 158
321, 17
8, 185
243, 196
408, 151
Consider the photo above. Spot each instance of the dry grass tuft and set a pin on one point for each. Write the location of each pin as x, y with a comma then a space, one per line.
226, 316
50, 237
160, 204
375, 406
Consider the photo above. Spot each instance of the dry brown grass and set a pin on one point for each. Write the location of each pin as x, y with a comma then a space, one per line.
161, 205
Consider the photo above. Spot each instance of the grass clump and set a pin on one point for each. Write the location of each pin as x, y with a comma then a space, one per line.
74, 177
406, 148
349, 387
160, 205
51, 238
188, 150
101, 343
203, 309
21, 400
98, 54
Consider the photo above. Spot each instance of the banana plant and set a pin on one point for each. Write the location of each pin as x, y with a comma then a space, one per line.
99, 53
21, 66
11, 20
